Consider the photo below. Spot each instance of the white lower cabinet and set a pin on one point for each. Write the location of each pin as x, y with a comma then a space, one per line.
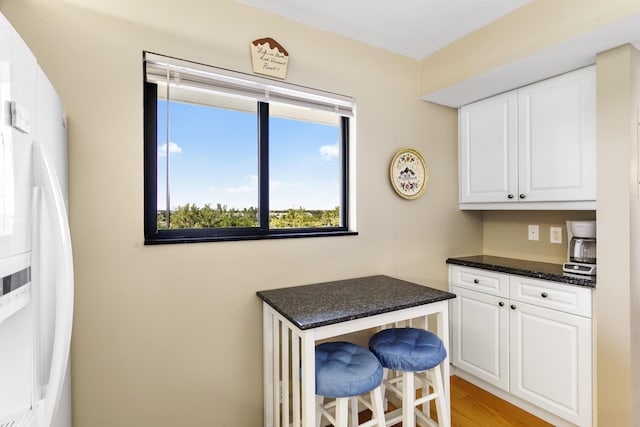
550, 361
532, 340
480, 335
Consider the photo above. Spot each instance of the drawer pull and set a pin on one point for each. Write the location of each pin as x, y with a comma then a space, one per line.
501, 304
476, 281
544, 295
513, 306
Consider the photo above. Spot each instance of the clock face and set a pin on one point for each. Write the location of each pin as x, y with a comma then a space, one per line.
409, 173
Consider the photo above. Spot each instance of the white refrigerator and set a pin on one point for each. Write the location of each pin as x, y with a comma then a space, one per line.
36, 265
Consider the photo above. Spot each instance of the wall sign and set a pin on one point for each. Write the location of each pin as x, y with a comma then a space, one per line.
268, 57
409, 173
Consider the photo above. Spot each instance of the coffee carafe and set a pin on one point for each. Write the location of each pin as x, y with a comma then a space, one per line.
581, 251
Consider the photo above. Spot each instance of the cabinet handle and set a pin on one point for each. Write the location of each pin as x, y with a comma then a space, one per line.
501, 304
476, 281
510, 196
522, 195
544, 295
513, 306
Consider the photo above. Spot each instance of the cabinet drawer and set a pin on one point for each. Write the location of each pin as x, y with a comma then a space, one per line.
556, 296
479, 280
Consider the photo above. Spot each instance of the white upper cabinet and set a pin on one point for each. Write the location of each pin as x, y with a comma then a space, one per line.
531, 148
488, 151
557, 138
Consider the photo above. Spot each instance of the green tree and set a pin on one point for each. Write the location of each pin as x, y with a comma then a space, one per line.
330, 218
192, 216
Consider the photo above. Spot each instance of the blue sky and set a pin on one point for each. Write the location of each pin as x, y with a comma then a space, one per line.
213, 159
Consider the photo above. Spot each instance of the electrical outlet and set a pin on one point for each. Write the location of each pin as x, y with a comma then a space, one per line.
555, 234
534, 232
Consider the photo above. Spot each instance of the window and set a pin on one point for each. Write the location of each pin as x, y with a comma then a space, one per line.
230, 156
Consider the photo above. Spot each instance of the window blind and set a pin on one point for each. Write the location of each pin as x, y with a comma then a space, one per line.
161, 69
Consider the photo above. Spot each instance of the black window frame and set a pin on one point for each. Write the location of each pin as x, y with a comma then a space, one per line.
153, 235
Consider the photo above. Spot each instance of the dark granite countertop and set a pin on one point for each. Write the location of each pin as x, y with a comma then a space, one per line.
321, 304
538, 270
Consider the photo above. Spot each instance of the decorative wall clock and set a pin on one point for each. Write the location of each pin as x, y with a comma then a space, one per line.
409, 173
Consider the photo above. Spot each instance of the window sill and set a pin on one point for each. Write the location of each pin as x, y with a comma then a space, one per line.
166, 240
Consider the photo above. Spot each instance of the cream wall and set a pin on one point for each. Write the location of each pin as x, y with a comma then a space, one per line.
617, 105
171, 335
524, 32
634, 195
506, 234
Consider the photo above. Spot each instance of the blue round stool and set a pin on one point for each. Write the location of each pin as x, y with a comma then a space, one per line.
416, 354
343, 371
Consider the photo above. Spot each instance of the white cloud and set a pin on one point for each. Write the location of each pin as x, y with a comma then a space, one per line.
238, 189
329, 152
252, 181
173, 148
274, 185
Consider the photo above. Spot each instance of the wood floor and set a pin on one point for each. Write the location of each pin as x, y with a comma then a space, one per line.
473, 407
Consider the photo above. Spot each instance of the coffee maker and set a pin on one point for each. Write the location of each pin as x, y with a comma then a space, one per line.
581, 251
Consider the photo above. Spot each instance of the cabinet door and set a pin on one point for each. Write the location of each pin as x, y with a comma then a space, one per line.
480, 333
550, 356
488, 150
556, 138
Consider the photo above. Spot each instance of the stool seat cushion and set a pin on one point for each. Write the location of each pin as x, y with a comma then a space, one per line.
344, 369
407, 349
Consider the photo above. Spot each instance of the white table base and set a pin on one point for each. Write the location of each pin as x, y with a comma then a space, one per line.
289, 354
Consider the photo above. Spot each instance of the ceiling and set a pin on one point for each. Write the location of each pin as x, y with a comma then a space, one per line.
413, 28
418, 28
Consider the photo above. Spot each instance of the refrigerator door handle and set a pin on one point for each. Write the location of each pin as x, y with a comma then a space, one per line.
47, 179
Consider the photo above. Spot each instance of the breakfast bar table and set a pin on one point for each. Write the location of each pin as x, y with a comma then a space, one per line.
295, 318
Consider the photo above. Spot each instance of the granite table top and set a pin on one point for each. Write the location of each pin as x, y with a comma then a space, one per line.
535, 269
321, 304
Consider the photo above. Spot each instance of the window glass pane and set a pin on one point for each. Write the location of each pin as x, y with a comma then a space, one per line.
212, 160
304, 168
226, 152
